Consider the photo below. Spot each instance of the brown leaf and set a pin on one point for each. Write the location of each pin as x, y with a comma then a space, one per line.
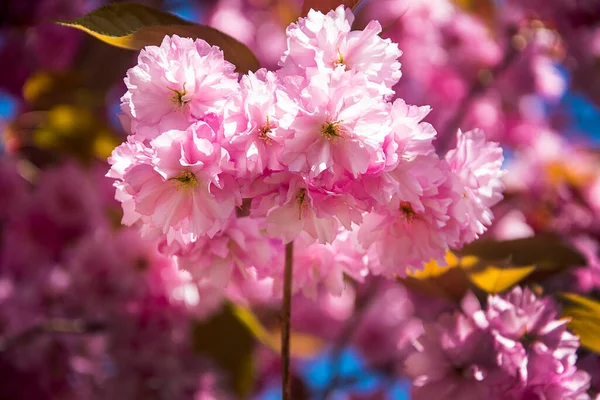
544, 251
134, 26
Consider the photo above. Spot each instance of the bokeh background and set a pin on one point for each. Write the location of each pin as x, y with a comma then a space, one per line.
87, 310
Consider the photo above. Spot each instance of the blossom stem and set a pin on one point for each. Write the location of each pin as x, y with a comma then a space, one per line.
287, 313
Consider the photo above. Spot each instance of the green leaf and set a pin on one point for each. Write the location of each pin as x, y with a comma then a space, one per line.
302, 345
584, 313
225, 340
326, 5
543, 251
134, 26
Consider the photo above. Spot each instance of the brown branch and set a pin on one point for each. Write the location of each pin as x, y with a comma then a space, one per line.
52, 326
287, 315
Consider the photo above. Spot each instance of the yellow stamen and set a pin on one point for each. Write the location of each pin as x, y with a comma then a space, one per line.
408, 211
300, 196
178, 97
262, 132
340, 60
185, 180
331, 130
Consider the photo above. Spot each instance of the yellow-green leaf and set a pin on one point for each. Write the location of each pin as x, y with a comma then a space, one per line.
134, 26
302, 345
326, 5
461, 273
225, 340
584, 313
495, 278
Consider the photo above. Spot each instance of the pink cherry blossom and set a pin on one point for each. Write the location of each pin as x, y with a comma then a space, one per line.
339, 130
324, 267
253, 119
449, 362
188, 184
417, 227
240, 245
321, 43
293, 204
176, 84
478, 165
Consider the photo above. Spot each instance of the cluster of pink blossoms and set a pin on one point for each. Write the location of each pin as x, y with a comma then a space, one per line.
316, 152
514, 349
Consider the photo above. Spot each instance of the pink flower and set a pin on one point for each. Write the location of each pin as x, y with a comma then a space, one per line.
416, 225
252, 123
293, 204
478, 166
122, 158
324, 266
176, 84
524, 325
321, 43
241, 245
450, 364
410, 138
546, 381
389, 321
187, 185
339, 130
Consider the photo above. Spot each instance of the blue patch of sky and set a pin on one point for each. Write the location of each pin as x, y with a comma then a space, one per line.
8, 106
189, 10
353, 374
583, 115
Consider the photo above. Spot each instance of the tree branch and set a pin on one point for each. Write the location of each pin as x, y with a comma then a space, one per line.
287, 314
52, 326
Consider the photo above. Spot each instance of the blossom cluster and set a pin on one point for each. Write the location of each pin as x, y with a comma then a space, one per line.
225, 171
516, 348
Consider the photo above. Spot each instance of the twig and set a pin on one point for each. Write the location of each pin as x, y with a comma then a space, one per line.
287, 314
53, 326
479, 86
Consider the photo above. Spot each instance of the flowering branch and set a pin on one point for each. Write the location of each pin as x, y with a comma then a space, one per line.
287, 314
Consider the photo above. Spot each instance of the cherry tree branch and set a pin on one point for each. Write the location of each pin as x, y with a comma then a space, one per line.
287, 314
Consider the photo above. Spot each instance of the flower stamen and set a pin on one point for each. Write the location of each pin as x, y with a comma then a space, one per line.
262, 132
178, 98
331, 130
300, 196
185, 180
340, 60
408, 211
